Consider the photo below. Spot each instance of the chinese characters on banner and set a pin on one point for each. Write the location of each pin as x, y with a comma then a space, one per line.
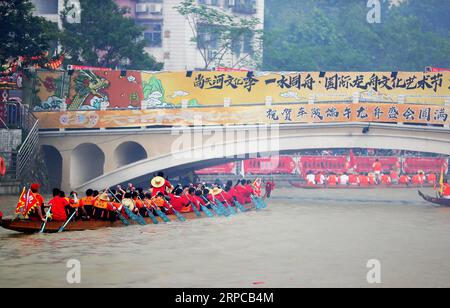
92, 89
279, 114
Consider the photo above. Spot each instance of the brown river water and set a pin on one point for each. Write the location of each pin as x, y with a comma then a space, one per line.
304, 238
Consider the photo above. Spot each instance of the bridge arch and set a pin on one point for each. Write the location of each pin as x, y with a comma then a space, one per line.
54, 163
129, 152
87, 162
293, 137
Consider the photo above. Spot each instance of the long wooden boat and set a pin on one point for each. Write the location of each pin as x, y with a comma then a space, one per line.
29, 227
435, 200
302, 185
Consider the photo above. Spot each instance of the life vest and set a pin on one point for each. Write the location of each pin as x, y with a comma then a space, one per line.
100, 204
89, 201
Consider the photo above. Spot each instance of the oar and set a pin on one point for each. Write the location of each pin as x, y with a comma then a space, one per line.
137, 218
47, 215
159, 212
218, 211
194, 207
240, 206
204, 208
67, 222
178, 214
150, 214
222, 207
230, 208
121, 217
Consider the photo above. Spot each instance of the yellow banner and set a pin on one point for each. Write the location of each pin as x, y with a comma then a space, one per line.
94, 90
282, 114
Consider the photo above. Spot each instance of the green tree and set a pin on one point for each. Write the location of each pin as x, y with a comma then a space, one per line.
23, 34
220, 36
335, 35
105, 37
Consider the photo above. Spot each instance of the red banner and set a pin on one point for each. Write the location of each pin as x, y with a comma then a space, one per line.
365, 164
428, 165
324, 164
274, 165
222, 169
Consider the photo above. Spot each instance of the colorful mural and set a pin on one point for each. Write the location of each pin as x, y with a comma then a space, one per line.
94, 90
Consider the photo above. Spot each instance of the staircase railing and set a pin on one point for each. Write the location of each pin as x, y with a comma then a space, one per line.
30, 147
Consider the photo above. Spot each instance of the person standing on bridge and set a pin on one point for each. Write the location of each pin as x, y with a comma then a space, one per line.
377, 169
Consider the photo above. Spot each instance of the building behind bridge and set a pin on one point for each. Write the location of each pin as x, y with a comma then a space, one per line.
167, 33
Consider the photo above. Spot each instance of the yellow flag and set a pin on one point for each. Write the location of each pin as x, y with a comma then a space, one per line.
441, 181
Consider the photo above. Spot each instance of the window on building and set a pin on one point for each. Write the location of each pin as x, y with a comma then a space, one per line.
46, 7
209, 2
245, 6
152, 33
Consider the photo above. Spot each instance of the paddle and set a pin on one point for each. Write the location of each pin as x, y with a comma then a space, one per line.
47, 215
240, 206
121, 217
178, 214
137, 218
222, 207
160, 213
150, 214
194, 207
256, 202
230, 208
218, 211
205, 209
68, 220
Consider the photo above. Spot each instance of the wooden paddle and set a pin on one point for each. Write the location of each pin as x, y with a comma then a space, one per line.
204, 208
178, 214
230, 208
47, 215
150, 214
159, 212
194, 207
137, 218
68, 220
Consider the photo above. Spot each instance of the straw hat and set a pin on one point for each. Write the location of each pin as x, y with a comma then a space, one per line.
215, 191
158, 182
103, 197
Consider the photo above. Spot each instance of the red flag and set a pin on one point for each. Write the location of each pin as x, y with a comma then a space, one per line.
22, 202
27, 202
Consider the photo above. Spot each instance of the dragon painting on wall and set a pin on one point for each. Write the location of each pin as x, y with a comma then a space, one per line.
87, 84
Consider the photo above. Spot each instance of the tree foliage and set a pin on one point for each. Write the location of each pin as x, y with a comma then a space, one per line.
105, 37
335, 35
22, 34
218, 35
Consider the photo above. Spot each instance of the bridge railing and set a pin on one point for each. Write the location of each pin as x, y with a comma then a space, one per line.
30, 146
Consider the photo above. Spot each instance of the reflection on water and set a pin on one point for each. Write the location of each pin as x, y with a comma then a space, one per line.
305, 238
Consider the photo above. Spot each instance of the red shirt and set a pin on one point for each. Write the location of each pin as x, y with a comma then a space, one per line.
404, 179
353, 179
161, 189
431, 178
446, 191
385, 179
242, 194
377, 166
58, 205
364, 180
394, 175
178, 202
332, 180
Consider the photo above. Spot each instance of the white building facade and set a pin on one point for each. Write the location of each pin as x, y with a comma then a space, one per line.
167, 34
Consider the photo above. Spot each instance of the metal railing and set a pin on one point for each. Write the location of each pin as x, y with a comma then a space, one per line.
30, 146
